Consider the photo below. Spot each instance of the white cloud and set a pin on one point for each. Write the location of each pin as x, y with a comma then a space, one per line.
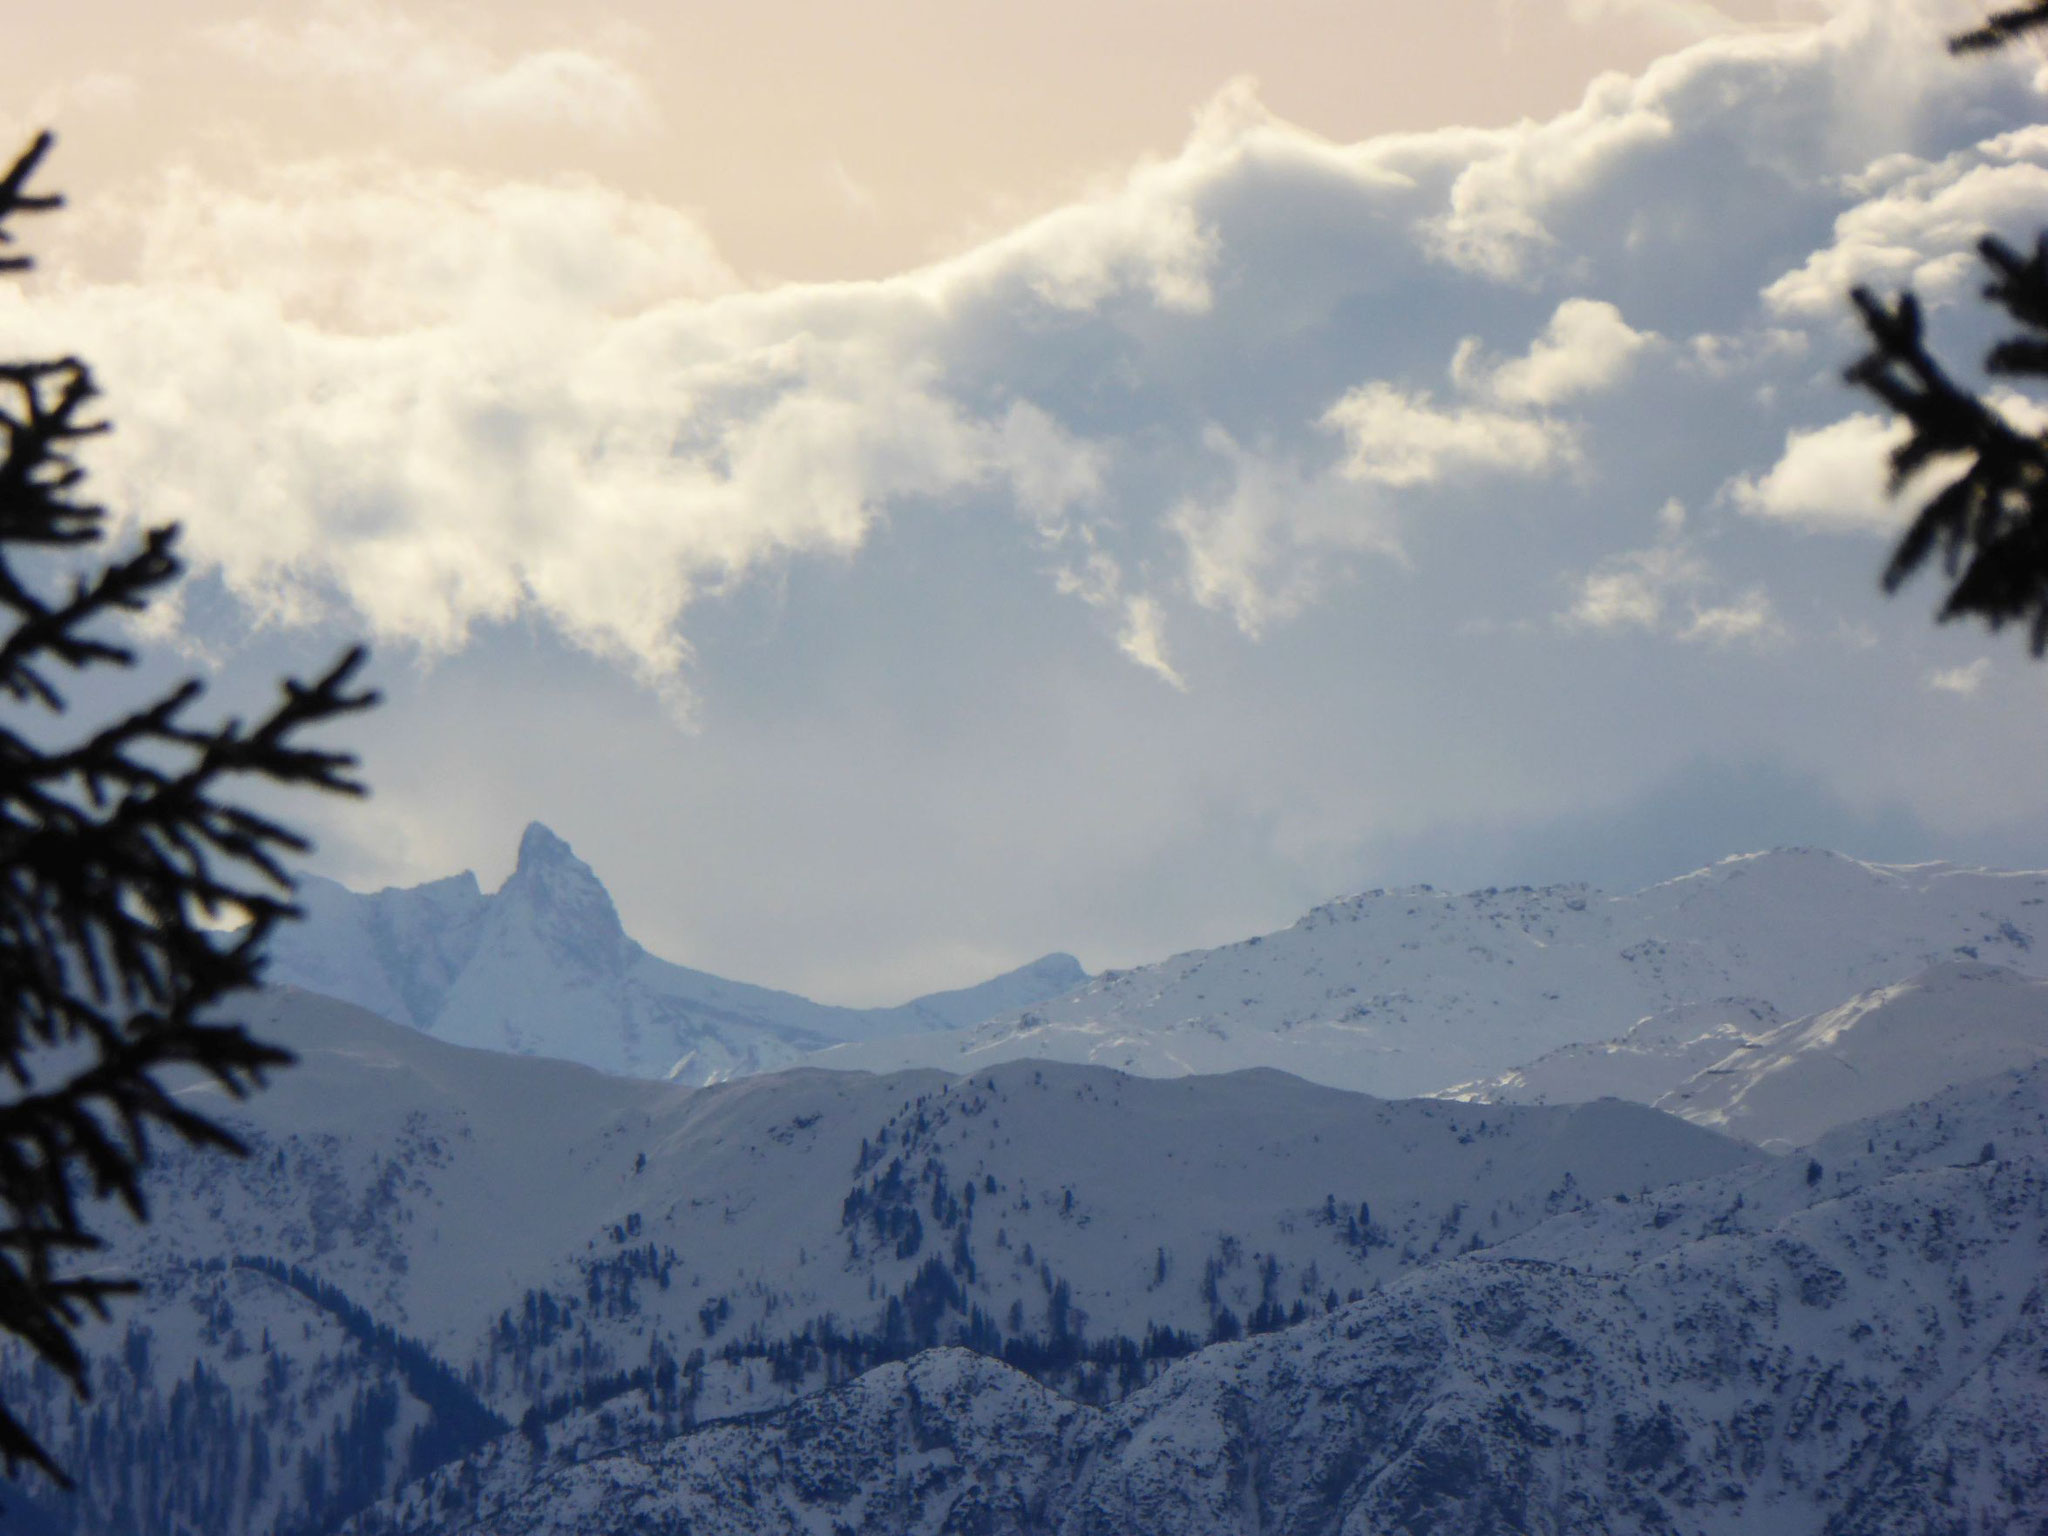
378, 249
1631, 590
932, 551
1831, 478
457, 402
1667, 589
1143, 639
1748, 618
381, 50
1402, 438
1918, 223
1495, 223
1964, 681
1587, 347
1837, 478
1276, 540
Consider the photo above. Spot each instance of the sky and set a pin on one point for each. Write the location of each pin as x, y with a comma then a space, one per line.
904, 488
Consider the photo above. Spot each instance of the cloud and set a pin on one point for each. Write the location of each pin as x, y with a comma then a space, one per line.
1631, 590
1668, 589
1402, 438
1749, 618
376, 248
1141, 638
1917, 223
1586, 348
1037, 597
1964, 681
1832, 478
1202, 389
380, 50
1265, 549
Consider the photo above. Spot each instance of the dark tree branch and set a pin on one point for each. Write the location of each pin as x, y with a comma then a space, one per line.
119, 854
1990, 524
2001, 28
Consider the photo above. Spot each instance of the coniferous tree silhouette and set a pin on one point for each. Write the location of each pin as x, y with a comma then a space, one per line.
1991, 524
134, 897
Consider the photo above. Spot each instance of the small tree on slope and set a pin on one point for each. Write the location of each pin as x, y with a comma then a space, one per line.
1990, 526
134, 898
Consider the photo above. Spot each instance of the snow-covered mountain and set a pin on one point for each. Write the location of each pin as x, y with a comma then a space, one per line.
427, 1241
543, 967
1409, 991
1846, 1344
1735, 1067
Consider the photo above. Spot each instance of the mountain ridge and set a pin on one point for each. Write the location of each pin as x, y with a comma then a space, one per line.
1848, 1347
1414, 990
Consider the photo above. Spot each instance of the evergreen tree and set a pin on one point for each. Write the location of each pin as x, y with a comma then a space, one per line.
1990, 526
135, 893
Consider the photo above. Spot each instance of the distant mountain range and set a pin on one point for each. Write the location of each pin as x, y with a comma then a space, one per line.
1400, 992
543, 967
1412, 991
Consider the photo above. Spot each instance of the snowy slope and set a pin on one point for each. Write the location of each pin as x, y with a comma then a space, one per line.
402, 1156
537, 1226
1849, 1345
1736, 1068
1876, 1052
1655, 1056
1408, 991
543, 967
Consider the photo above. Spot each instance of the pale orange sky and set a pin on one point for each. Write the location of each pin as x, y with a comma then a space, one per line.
826, 140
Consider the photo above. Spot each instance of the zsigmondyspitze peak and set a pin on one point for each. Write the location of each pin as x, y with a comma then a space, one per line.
543, 966
563, 903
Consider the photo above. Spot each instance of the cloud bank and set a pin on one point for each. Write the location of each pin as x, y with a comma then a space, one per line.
1277, 502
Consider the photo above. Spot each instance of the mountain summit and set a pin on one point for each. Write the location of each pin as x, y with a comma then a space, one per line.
1409, 991
544, 967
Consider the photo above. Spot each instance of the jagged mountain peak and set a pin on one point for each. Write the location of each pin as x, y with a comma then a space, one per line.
560, 898
540, 847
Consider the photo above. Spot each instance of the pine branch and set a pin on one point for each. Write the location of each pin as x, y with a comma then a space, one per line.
2001, 28
1990, 526
112, 848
